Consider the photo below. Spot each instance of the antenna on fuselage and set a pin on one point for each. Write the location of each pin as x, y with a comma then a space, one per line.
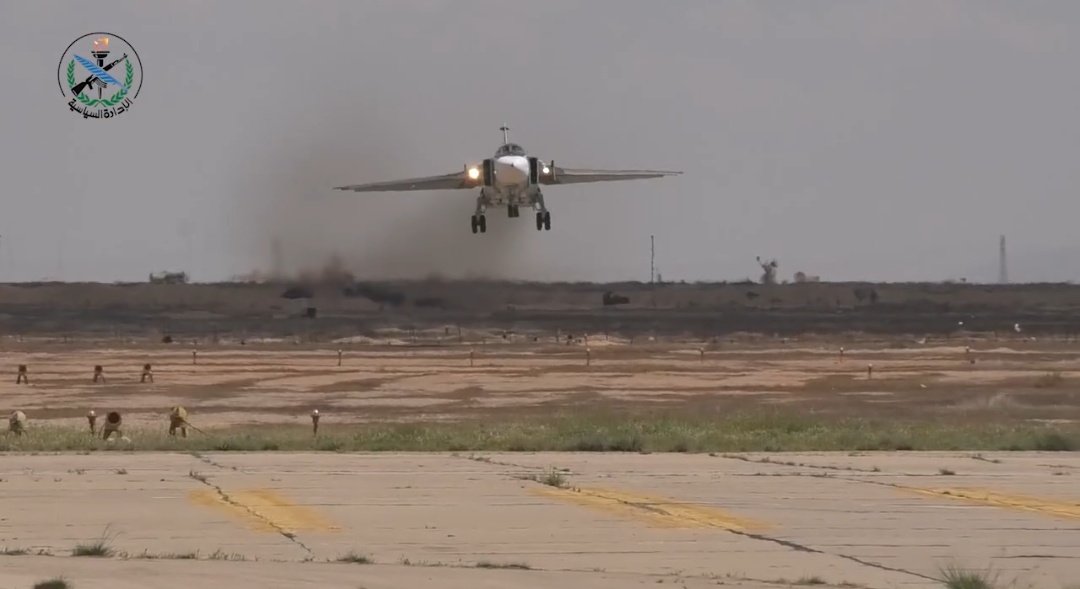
506, 136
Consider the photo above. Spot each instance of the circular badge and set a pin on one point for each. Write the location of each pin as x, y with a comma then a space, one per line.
100, 75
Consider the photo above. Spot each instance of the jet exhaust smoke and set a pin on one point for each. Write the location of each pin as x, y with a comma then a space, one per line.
289, 217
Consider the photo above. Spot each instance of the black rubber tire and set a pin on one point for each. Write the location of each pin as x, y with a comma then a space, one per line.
475, 226
483, 224
539, 221
547, 220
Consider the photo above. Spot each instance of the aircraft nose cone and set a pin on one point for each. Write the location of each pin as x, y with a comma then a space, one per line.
514, 171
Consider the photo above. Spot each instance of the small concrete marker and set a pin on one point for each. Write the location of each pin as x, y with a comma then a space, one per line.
314, 422
701, 351
112, 425
588, 356
194, 356
22, 378
91, 418
472, 357
339, 352
178, 420
17, 423
869, 371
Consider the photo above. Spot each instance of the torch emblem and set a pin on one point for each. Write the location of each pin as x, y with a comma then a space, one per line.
101, 75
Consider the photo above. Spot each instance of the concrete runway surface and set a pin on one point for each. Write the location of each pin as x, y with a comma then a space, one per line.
426, 520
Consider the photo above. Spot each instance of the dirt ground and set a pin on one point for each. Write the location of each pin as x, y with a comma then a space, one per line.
274, 382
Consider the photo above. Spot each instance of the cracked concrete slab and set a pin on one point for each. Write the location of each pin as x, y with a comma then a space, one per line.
621, 520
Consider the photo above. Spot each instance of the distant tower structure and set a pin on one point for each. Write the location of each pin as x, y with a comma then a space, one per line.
1003, 268
652, 259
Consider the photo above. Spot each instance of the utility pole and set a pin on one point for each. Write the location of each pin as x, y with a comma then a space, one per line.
1003, 270
652, 259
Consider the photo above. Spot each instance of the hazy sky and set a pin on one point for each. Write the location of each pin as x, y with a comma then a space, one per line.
884, 140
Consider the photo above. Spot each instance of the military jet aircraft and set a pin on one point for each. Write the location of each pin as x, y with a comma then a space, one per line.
508, 179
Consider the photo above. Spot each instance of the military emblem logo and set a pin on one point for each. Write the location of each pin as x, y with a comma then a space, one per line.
100, 74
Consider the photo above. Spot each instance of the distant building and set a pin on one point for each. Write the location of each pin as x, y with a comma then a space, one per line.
169, 278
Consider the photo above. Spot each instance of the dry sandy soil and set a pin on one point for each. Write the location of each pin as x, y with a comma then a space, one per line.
628, 520
875, 520
266, 382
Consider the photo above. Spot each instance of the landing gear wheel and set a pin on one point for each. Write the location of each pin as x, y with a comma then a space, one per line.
539, 221
475, 224
547, 220
511, 211
483, 224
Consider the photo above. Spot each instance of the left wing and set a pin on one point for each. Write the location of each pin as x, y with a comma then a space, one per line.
577, 176
445, 182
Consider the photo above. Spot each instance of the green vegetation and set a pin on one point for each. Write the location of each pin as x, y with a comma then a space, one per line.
57, 583
96, 548
957, 578
946, 472
483, 564
815, 580
553, 478
762, 431
100, 547
355, 558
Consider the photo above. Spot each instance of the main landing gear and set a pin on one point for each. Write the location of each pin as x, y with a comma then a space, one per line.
543, 220
479, 223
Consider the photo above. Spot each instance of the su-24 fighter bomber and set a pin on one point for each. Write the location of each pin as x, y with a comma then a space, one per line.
510, 179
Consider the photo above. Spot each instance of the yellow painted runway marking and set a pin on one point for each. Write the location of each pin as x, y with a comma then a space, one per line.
657, 511
994, 499
264, 510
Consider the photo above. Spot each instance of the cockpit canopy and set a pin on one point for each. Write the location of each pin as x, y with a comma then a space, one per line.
509, 149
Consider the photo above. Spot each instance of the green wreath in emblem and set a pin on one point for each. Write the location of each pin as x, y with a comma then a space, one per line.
110, 101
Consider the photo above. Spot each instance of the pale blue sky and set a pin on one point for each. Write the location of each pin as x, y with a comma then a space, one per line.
889, 140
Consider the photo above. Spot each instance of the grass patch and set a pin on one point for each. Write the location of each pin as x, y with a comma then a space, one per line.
57, 583
484, 564
946, 472
220, 554
553, 478
957, 578
753, 431
99, 548
815, 580
354, 558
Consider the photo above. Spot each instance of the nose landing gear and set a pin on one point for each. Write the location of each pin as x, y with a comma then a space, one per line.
543, 220
479, 223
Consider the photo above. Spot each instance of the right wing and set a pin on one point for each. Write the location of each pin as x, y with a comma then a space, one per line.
445, 182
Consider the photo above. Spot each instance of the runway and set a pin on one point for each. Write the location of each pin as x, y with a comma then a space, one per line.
428, 520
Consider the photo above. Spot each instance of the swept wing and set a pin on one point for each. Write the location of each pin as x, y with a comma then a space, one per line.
444, 182
579, 175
